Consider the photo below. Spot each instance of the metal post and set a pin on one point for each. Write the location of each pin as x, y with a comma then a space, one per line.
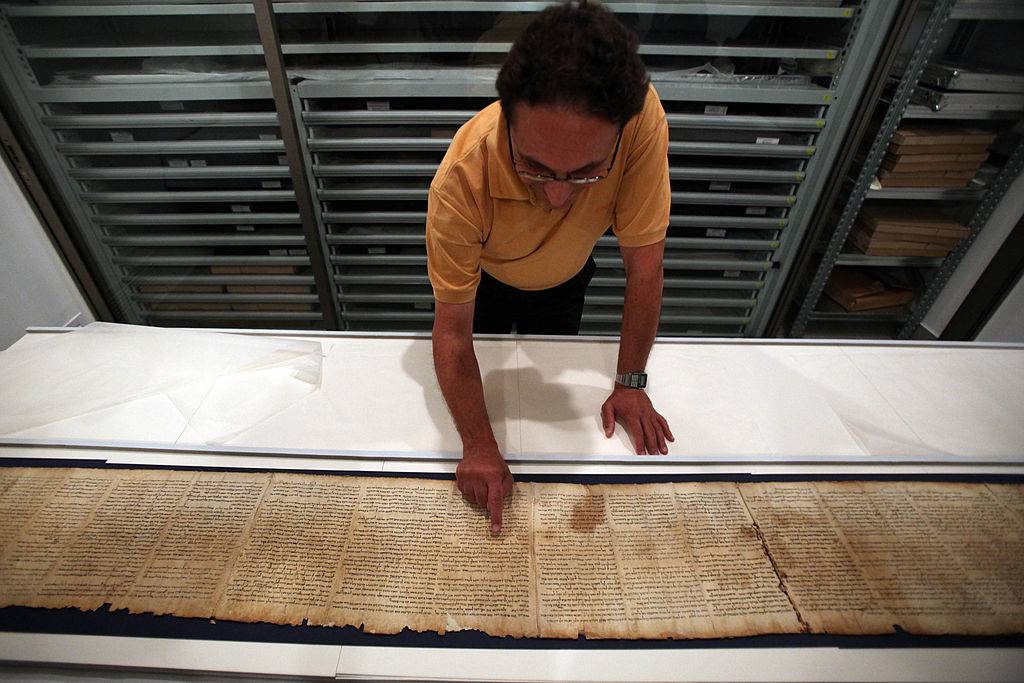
315, 185
316, 246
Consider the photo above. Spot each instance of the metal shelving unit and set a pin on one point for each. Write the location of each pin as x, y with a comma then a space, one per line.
902, 104
160, 124
174, 181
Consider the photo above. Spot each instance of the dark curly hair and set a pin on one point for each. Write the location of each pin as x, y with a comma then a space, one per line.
578, 55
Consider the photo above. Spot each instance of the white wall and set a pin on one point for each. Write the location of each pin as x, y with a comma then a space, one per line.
977, 258
1007, 323
35, 288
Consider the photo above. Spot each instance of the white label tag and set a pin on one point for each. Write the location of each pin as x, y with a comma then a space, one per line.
297, 252
121, 136
376, 250
720, 186
198, 163
268, 136
241, 208
282, 161
715, 110
172, 106
423, 305
757, 210
245, 228
767, 141
378, 105
177, 163
730, 273
271, 184
715, 232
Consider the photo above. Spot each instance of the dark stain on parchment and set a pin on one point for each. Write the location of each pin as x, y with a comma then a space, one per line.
587, 514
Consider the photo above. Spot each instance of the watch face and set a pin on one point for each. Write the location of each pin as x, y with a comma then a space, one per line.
633, 380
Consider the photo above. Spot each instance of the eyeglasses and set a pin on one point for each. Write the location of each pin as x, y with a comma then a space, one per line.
548, 178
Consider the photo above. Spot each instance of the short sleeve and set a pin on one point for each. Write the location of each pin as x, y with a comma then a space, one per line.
645, 195
454, 242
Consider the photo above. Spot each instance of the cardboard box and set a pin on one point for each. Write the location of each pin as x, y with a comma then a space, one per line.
951, 183
883, 217
913, 231
855, 290
901, 165
896, 247
933, 173
941, 134
905, 230
921, 150
904, 238
951, 155
920, 251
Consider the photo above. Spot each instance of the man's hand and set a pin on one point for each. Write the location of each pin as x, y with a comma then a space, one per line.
484, 479
648, 429
482, 476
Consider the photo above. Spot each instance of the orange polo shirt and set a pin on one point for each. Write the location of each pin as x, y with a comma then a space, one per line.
482, 215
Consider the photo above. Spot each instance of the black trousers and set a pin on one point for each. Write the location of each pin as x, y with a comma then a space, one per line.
558, 310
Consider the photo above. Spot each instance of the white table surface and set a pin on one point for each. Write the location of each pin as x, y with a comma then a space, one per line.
727, 402
736, 407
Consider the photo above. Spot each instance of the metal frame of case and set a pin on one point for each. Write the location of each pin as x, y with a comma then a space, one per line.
332, 251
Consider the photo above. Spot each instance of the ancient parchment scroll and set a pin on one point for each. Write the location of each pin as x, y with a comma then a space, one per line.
671, 560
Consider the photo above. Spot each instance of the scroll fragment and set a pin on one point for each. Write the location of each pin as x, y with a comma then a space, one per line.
693, 560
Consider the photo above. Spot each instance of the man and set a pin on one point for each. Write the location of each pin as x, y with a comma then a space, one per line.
578, 142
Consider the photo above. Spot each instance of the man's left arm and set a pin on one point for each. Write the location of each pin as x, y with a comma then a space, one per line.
641, 312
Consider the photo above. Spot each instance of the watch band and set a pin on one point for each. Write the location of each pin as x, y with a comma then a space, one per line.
633, 380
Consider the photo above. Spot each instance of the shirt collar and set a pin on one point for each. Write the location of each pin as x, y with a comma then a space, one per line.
502, 180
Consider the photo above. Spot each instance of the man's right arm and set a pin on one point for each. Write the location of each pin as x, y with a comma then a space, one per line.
482, 476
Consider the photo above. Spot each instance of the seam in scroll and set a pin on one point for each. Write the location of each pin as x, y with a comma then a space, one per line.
804, 626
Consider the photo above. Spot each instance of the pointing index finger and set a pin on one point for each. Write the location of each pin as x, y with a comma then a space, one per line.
494, 502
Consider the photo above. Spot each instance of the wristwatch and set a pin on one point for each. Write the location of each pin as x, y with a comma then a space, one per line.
633, 380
